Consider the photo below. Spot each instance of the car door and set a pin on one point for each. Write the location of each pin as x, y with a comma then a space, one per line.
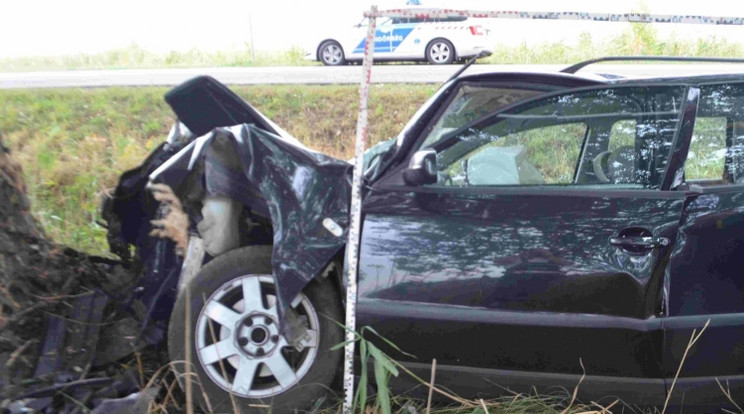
383, 39
539, 252
705, 281
405, 41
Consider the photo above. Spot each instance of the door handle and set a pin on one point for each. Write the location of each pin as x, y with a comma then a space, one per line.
639, 241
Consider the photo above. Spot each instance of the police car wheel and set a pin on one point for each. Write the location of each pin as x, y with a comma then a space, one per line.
331, 53
440, 52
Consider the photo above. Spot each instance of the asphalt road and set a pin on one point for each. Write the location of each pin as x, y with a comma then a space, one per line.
409, 73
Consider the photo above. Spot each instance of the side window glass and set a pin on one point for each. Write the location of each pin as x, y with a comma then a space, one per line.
471, 103
620, 137
623, 134
716, 154
706, 157
543, 155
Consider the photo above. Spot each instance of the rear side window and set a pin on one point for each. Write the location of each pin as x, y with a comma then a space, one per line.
618, 137
716, 154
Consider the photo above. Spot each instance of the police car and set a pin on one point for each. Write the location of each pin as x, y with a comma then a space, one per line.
438, 40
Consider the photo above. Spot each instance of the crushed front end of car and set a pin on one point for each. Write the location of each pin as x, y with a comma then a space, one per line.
240, 183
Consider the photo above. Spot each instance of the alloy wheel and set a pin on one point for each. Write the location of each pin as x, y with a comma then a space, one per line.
332, 54
440, 52
238, 342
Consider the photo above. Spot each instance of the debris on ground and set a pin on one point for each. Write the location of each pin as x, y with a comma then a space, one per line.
61, 328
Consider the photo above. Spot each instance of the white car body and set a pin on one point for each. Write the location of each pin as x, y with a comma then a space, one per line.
405, 39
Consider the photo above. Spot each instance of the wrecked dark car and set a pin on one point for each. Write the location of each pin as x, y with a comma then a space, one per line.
523, 229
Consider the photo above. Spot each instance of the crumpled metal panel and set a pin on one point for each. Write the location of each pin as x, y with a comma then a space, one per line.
300, 187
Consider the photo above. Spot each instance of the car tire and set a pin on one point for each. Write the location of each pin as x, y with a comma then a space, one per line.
331, 53
440, 52
274, 376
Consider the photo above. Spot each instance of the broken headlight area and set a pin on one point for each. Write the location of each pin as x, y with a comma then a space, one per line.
243, 182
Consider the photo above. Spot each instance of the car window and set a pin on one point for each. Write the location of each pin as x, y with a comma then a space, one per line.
408, 20
518, 158
716, 154
473, 102
380, 22
620, 136
449, 19
705, 158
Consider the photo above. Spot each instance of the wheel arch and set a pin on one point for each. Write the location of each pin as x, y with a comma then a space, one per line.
334, 270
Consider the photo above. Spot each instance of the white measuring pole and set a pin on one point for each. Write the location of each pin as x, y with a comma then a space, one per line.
352, 245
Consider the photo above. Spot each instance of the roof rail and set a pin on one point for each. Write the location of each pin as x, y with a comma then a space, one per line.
575, 68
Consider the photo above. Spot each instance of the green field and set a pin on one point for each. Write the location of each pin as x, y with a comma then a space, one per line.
74, 143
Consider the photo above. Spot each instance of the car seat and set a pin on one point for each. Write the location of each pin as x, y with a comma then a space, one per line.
616, 166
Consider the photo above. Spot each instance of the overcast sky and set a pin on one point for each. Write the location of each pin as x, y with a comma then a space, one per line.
55, 27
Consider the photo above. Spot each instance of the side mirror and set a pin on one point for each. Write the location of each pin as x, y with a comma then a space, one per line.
422, 169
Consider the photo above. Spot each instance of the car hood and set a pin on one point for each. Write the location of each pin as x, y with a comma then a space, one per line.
307, 194
203, 103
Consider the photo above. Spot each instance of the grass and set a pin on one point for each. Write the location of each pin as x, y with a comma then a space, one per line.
134, 56
384, 402
636, 39
74, 143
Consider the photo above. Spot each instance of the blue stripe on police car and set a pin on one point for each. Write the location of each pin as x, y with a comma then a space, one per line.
386, 42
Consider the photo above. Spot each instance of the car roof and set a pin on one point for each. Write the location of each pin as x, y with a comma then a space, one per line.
689, 79
594, 78
687, 70
556, 78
